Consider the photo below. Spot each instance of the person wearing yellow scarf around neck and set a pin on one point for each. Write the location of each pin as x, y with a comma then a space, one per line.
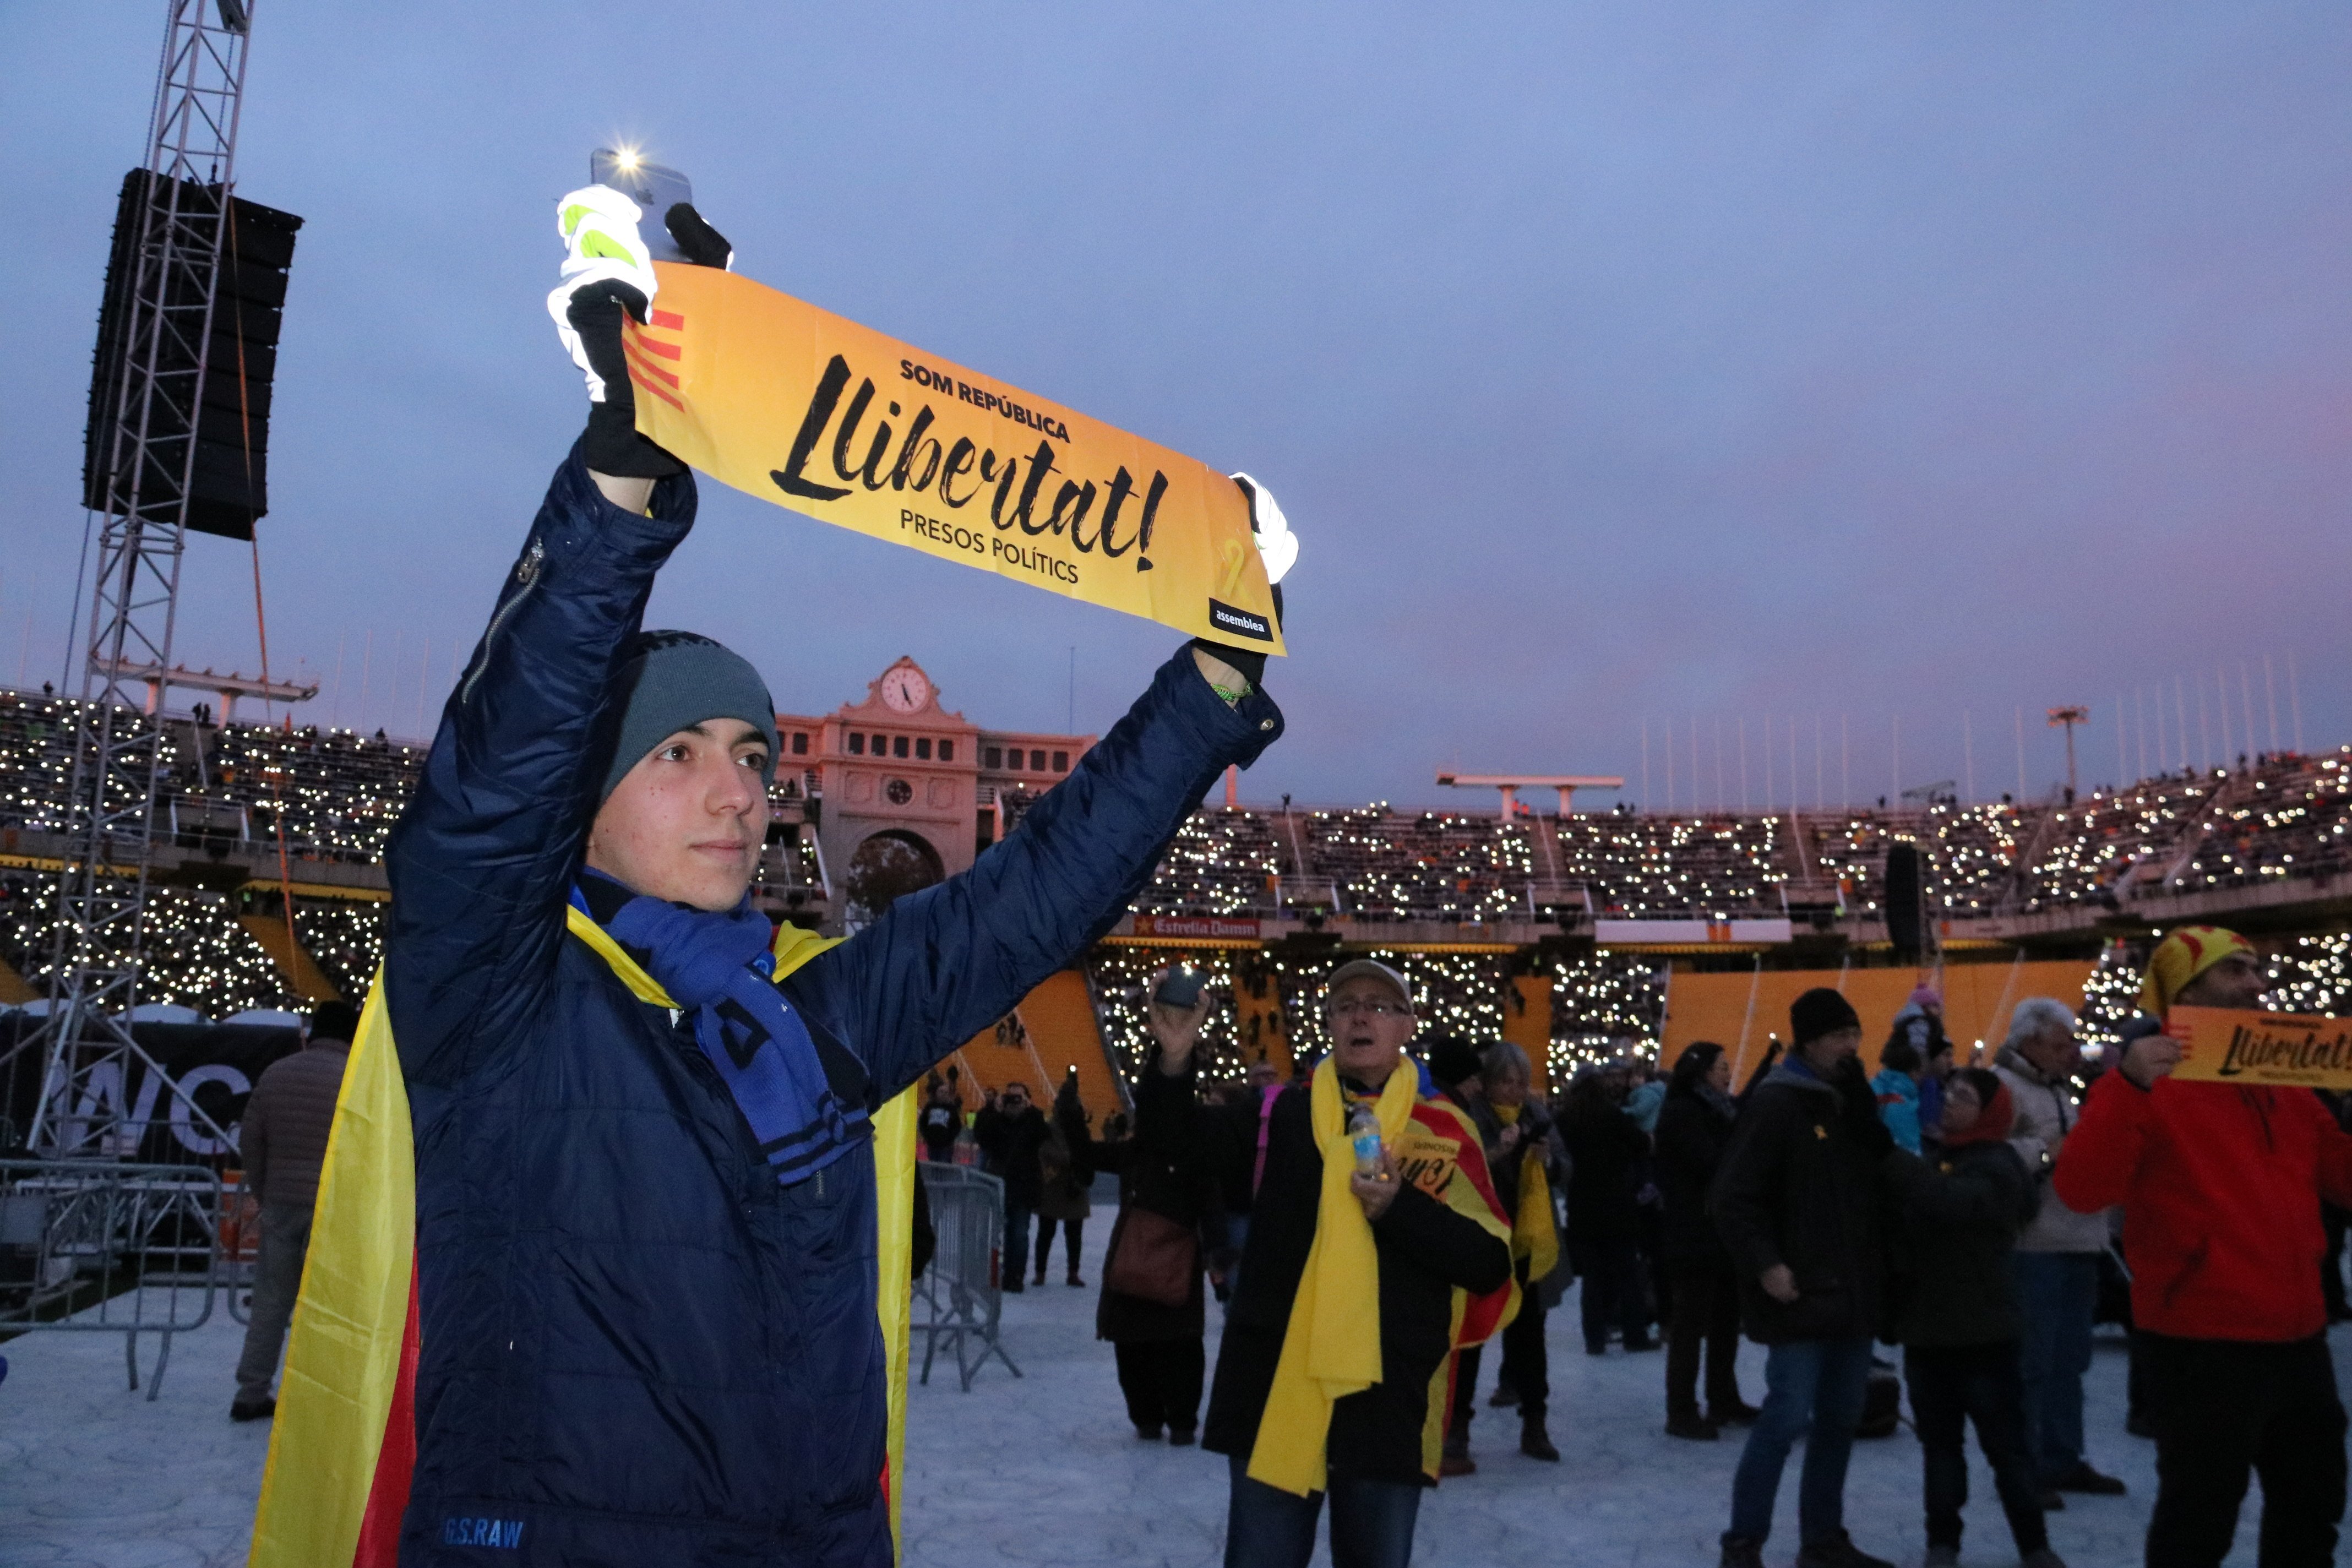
1355, 1288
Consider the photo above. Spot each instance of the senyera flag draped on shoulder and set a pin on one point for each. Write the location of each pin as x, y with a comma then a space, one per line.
801, 408
343, 1442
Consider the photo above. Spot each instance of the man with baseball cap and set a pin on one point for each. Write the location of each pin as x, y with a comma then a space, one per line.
1331, 1376
645, 1221
1796, 1201
2221, 1186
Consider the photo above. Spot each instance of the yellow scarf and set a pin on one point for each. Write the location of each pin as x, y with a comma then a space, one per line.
1332, 1346
337, 1496
1533, 1233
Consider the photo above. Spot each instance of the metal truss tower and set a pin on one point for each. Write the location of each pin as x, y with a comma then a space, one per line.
175, 261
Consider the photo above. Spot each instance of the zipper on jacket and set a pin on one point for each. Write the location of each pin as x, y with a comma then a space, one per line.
526, 574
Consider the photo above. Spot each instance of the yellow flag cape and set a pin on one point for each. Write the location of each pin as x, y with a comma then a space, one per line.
343, 1442
1332, 1346
1534, 1235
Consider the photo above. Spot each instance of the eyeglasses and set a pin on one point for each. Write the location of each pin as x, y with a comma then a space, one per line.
1378, 1009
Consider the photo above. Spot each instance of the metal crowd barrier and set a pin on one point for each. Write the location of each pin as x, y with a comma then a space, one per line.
100, 1246
239, 1230
961, 1293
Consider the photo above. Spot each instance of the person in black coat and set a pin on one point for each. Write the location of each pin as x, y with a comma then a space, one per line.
941, 1120
1955, 1312
1010, 1131
1425, 1248
1693, 1129
1237, 1128
1168, 1173
1605, 1149
1796, 1201
644, 1260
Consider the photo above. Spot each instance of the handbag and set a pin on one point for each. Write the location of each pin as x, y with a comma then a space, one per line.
1153, 1258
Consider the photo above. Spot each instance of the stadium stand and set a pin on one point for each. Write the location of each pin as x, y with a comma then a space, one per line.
1653, 866
2280, 819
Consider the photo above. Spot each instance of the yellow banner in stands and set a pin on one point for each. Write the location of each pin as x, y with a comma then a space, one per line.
2223, 1044
803, 408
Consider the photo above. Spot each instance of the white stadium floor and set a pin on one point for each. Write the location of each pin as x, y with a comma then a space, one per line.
1045, 1468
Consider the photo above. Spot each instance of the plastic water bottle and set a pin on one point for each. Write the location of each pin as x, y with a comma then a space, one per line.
1364, 1133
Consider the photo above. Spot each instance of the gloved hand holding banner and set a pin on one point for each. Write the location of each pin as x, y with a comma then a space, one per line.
803, 408
2222, 1045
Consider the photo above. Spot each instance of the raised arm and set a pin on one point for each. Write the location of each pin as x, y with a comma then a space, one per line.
483, 858
2100, 1160
944, 962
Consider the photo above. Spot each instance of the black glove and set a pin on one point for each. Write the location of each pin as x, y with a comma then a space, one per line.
1250, 661
1279, 550
612, 445
703, 244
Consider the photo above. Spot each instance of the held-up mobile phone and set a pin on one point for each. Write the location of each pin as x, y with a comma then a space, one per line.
1179, 987
652, 187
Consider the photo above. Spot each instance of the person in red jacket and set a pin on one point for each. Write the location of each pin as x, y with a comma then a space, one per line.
2221, 1186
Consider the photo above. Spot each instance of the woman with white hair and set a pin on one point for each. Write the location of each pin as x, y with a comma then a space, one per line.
2056, 1264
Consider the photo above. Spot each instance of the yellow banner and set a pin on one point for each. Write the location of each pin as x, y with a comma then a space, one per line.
803, 408
2222, 1045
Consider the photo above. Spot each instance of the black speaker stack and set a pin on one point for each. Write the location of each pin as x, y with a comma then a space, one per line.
1906, 900
229, 483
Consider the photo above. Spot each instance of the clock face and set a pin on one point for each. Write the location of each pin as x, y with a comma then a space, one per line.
906, 689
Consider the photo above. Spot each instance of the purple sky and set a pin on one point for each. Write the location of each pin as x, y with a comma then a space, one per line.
1624, 365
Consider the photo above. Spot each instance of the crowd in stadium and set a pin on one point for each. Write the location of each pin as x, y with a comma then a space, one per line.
2284, 816
1978, 1210
632, 1087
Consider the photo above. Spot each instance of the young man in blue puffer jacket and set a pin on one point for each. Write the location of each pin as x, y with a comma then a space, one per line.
646, 1232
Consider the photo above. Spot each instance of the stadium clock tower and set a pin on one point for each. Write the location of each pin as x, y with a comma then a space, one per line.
908, 793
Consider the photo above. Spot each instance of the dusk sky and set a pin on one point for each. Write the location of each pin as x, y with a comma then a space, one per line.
1616, 366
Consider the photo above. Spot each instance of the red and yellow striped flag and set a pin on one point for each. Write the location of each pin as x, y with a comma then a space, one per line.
343, 1442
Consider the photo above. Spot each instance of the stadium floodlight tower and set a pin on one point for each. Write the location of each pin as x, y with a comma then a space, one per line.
143, 492
1511, 783
2068, 718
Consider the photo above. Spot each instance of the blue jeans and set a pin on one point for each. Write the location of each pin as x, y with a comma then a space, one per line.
2057, 1292
1812, 1389
1237, 1238
1371, 1522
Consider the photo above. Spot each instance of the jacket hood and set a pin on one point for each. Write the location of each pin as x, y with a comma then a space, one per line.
1992, 1125
1799, 1077
2015, 1061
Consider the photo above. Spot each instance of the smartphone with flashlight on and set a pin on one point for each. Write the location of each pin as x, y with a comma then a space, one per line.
1179, 987
652, 187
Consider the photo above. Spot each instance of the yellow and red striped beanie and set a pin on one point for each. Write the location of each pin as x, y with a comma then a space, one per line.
2183, 956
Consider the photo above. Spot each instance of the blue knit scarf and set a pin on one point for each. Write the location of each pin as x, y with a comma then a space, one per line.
719, 968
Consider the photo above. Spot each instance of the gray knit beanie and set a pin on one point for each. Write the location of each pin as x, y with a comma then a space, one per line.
672, 679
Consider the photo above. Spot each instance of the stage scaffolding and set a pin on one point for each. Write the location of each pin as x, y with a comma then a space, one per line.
141, 528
